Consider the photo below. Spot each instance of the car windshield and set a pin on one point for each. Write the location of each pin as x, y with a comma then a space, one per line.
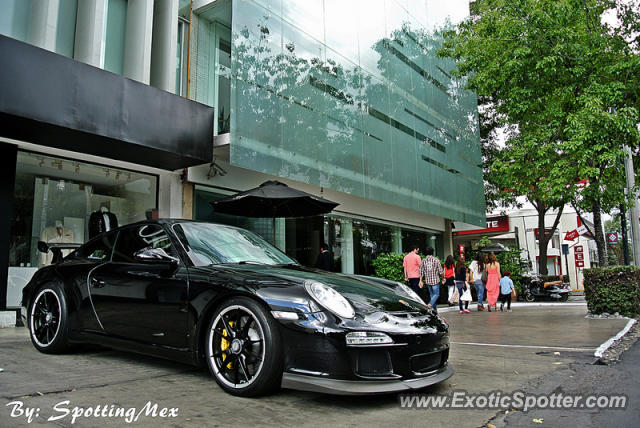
209, 244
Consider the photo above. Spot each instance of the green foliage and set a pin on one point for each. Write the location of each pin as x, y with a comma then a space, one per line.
510, 261
564, 85
613, 289
484, 242
389, 266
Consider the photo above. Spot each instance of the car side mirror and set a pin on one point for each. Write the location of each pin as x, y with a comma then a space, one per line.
157, 255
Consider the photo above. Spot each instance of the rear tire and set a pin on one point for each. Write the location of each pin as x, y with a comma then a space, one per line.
48, 319
564, 297
244, 349
529, 297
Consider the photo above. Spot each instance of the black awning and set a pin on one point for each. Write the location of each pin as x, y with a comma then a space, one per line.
54, 101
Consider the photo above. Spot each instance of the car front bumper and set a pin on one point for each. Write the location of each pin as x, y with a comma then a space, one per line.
362, 387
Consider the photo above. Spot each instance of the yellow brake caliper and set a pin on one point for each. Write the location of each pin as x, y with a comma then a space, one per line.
224, 345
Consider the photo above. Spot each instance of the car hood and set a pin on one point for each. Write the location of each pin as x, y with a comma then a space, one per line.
365, 296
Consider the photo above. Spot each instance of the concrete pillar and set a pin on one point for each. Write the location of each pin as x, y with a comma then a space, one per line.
447, 238
346, 248
396, 240
137, 43
44, 24
170, 196
91, 27
163, 46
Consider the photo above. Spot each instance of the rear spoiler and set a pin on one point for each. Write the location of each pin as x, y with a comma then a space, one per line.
56, 249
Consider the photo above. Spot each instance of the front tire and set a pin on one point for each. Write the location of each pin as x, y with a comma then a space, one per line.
48, 319
244, 349
529, 297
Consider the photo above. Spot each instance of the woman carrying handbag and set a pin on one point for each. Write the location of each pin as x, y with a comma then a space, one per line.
463, 288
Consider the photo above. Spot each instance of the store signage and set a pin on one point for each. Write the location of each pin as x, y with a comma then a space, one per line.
570, 236
612, 238
461, 251
582, 230
579, 263
494, 224
578, 254
578, 249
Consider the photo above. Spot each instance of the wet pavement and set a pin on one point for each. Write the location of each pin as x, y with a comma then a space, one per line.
489, 352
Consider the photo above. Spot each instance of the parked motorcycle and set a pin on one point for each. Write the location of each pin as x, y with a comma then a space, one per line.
538, 289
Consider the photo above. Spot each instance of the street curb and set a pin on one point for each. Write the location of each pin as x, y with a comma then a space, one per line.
606, 345
517, 305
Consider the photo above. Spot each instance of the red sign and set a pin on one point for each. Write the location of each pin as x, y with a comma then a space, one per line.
579, 263
570, 236
461, 249
578, 249
612, 238
579, 256
494, 224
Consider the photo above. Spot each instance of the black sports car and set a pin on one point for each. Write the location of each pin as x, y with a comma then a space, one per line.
210, 294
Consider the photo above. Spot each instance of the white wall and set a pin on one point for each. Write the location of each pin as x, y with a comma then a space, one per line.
527, 221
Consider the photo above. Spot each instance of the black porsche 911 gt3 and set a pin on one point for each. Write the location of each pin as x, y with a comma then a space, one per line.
211, 294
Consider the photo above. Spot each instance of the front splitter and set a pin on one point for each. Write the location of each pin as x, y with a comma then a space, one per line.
357, 387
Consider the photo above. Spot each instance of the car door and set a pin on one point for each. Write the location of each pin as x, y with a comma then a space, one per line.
78, 267
141, 294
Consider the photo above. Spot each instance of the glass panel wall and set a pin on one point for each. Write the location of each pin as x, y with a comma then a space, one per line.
359, 105
16, 20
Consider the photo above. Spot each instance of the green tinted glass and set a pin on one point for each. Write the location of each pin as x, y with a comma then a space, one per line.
351, 96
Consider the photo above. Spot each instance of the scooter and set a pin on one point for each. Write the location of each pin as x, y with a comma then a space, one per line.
551, 290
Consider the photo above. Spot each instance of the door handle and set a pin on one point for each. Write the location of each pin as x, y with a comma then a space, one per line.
96, 283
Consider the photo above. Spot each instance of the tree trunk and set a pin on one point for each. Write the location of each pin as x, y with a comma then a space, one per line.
603, 260
543, 240
543, 237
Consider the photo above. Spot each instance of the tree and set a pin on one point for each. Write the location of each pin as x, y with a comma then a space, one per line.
539, 63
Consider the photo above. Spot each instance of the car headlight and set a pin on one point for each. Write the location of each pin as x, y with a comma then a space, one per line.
330, 299
410, 293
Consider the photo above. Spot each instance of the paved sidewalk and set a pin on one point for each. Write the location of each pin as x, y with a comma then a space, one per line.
489, 351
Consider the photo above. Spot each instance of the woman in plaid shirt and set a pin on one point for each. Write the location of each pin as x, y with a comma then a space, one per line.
431, 273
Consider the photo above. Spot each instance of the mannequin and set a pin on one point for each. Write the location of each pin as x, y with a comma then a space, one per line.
102, 221
56, 234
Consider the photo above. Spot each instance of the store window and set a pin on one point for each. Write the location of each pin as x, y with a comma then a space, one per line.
264, 227
55, 200
423, 240
369, 241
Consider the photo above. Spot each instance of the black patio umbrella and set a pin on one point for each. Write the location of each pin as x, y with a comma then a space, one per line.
273, 199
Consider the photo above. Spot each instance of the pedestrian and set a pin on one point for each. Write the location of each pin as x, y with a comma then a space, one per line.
475, 277
493, 281
431, 273
411, 266
461, 284
325, 259
449, 278
506, 288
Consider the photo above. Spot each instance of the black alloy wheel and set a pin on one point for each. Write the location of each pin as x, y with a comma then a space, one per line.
243, 348
48, 319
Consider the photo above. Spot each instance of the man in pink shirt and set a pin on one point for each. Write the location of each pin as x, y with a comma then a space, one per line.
411, 266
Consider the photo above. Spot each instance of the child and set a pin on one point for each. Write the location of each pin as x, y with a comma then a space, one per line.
506, 287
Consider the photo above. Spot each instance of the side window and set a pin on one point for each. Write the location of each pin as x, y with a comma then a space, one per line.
144, 237
99, 249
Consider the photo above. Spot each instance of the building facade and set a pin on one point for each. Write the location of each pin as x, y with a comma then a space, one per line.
170, 105
519, 229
